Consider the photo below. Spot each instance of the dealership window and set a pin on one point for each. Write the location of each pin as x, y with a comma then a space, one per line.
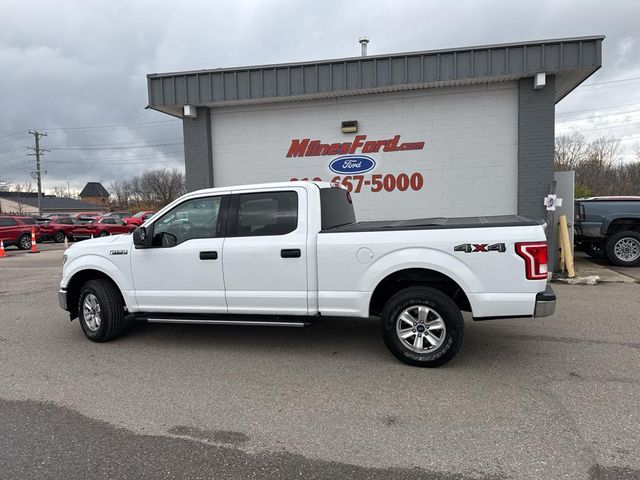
195, 218
269, 213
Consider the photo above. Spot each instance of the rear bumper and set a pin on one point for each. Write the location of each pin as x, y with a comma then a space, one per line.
545, 303
62, 298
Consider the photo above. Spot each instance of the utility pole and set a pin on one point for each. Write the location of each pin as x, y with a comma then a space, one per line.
38, 152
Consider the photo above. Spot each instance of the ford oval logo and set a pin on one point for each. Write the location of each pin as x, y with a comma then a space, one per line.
352, 164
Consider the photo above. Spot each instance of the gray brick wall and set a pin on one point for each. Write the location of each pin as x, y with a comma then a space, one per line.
197, 150
536, 116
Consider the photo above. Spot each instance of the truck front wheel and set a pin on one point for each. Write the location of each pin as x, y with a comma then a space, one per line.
422, 326
101, 310
623, 249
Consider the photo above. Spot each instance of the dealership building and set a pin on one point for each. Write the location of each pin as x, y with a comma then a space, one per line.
457, 132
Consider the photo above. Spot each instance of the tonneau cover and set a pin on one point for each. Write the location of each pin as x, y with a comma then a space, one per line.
435, 224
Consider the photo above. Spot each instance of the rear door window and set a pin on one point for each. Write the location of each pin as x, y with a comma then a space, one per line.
268, 213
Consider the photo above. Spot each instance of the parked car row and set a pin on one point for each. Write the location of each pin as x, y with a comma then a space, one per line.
83, 227
16, 229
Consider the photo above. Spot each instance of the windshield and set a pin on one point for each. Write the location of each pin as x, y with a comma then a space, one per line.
139, 214
336, 207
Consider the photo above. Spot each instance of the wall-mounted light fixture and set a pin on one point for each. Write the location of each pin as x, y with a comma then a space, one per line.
539, 80
350, 126
190, 111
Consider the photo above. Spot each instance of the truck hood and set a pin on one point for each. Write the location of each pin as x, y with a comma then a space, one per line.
100, 244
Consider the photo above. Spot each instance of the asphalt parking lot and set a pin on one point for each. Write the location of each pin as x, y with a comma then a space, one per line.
524, 399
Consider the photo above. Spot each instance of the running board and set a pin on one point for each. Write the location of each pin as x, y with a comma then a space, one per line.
228, 322
249, 320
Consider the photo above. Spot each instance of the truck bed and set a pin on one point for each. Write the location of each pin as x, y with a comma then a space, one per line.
436, 223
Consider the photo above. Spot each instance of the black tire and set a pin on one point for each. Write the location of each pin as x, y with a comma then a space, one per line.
104, 234
595, 250
59, 237
444, 307
623, 249
24, 241
112, 314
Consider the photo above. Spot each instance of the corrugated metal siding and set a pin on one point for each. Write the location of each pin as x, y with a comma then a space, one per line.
577, 58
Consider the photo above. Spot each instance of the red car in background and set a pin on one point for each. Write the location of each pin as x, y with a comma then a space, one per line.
16, 230
139, 218
102, 227
59, 228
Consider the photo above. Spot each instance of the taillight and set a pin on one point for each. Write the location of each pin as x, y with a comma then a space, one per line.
535, 259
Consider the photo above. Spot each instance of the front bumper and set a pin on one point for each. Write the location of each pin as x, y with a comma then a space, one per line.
545, 303
62, 298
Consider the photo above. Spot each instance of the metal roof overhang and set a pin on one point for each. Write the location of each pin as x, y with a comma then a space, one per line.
571, 60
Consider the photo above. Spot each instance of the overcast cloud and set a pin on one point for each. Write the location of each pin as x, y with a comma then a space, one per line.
69, 64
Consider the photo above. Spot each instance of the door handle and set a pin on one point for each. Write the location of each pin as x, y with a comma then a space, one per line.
290, 253
208, 255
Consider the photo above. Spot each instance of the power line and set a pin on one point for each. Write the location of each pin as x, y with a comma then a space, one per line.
88, 162
121, 125
592, 117
10, 152
16, 169
598, 108
608, 127
610, 81
117, 148
11, 135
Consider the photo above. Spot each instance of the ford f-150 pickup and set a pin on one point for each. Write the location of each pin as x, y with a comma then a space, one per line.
286, 253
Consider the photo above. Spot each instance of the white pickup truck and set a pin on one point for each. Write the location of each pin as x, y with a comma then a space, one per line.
286, 253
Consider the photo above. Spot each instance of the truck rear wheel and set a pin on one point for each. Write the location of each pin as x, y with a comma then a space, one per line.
101, 310
422, 326
623, 249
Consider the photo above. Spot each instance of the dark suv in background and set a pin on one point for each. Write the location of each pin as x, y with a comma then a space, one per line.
609, 226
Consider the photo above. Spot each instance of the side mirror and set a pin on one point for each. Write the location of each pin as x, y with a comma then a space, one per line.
140, 238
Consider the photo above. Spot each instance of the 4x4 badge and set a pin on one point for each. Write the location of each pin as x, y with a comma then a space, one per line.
480, 247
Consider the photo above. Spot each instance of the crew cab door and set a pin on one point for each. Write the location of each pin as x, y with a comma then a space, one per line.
182, 269
265, 253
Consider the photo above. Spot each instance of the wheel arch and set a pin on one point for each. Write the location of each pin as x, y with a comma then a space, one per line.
412, 277
621, 222
78, 279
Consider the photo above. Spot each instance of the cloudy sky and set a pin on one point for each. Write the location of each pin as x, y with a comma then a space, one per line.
76, 69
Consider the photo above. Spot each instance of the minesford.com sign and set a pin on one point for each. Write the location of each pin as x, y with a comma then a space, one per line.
354, 163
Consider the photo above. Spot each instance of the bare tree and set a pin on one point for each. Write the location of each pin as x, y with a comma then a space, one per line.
151, 190
60, 191
21, 190
570, 151
598, 166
